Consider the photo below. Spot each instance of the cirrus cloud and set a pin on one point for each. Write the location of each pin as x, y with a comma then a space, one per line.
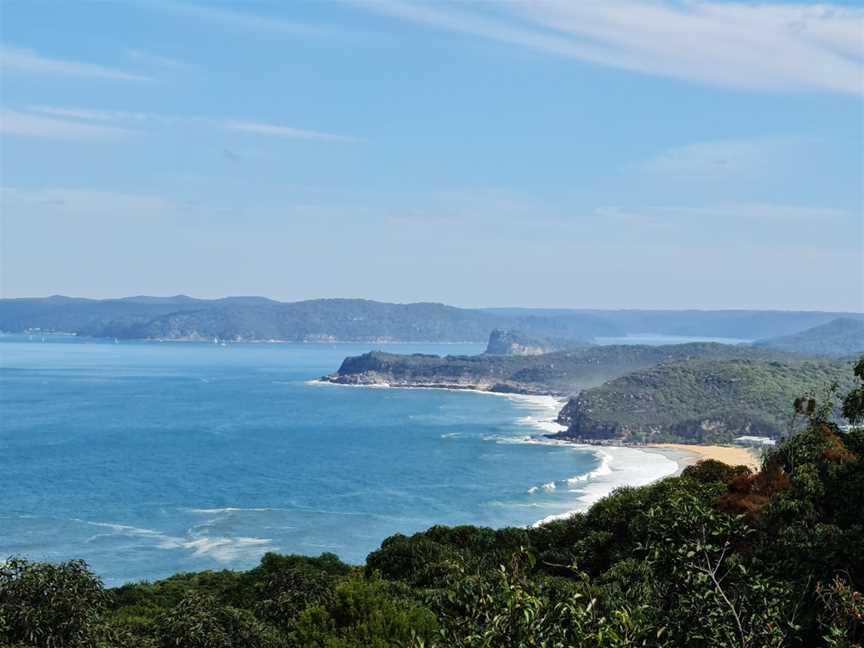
73, 122
25, 61
767, 46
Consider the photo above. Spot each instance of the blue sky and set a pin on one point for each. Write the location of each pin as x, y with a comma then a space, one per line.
592, 154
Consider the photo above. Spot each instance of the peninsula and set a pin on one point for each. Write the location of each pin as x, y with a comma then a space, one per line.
698, 393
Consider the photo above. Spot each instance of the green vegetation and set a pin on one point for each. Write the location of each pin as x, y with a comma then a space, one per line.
562, 372
699, 401
843, 336
717, 557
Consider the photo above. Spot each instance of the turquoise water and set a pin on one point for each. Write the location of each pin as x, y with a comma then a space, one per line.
150, 458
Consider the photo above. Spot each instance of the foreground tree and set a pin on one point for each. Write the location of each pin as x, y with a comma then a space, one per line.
50, 606
853, 404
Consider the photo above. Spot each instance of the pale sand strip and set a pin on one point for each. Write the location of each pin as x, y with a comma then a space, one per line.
732, 455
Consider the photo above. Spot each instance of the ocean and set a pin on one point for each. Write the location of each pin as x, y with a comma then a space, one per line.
149, 458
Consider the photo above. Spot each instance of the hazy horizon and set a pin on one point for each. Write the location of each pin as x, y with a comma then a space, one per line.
479, 306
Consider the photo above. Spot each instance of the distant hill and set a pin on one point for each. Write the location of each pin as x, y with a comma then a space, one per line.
699, 400
360, 320
564, 373
741, 324
503, 342
257, 318
840, 337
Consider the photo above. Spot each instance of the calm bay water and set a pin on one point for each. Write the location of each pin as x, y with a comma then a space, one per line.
150, 458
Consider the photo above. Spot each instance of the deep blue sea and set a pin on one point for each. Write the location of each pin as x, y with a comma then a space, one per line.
148, 458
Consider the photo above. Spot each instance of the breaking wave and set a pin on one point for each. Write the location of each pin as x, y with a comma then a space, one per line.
223, 549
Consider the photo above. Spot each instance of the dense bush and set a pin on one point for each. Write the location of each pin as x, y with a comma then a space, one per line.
50, 606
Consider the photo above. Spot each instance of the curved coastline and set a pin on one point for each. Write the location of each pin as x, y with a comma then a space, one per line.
619, 465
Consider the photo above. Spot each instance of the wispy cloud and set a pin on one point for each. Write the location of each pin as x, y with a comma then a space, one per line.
274, 130
766, 212
247, 20
768, 46
770, 213
97, 119
21, 124
156, 60
723, 158
95, 115
26, 61
621, 217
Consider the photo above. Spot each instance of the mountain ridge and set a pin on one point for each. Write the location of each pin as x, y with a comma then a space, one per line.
336, 319
840, 337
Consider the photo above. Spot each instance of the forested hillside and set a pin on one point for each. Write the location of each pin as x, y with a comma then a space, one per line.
840, 337
699, 400
562, 372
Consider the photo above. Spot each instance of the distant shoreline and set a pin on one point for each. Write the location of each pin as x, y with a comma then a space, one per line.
684, 454
229, 341
732, 455
621, 464
470, 387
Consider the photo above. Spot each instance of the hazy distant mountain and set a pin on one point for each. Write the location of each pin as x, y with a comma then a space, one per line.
840, 337
256, 318
741, 324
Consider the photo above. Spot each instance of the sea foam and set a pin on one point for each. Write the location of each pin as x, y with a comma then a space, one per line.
619, 466
224, 549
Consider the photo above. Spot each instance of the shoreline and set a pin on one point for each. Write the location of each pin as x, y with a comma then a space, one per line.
473, 389
667, 459
469, 387
689, 454
684, 454
619, 465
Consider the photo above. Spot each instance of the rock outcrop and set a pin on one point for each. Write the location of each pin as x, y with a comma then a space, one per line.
506, 342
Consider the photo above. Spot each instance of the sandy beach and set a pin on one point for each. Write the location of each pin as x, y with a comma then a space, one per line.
687, 454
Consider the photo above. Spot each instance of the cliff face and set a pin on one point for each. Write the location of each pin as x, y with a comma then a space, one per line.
513, 343
719, 427
420, 370
503, 342
576, 416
